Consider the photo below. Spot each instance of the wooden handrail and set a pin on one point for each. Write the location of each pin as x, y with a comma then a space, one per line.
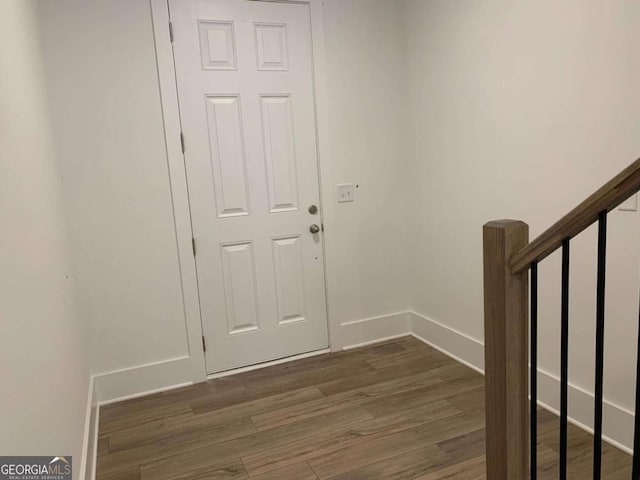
612, 194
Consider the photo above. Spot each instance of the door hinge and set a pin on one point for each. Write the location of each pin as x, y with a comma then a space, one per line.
171, 32
182, 141
193, 246
204, 344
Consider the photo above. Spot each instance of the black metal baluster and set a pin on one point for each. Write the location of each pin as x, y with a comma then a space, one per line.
635, 473
534, 371
564, 359
597, 421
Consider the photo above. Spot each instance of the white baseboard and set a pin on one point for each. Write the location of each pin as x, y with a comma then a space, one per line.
90, 434
119, 385
92, 457
373, 342
457, 345
125, 384
617, 421
358, 333
142, 380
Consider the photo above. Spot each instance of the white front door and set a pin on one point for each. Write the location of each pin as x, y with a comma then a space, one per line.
245, 88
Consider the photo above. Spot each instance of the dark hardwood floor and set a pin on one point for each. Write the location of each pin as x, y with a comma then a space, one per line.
396, 410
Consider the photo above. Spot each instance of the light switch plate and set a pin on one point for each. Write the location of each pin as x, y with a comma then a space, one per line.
345, 192
630, 205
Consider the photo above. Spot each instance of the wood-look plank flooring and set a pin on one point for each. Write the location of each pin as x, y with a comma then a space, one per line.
395, 410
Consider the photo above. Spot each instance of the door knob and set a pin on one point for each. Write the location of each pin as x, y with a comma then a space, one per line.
314, 228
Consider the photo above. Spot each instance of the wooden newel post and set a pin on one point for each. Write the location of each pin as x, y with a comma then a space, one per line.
506, 324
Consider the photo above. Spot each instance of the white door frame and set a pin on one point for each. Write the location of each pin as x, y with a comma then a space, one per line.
178, 177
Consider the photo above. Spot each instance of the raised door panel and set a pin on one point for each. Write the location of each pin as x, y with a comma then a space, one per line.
217, 45
240, 287
228, 160
272, 50
280, 152
289, 277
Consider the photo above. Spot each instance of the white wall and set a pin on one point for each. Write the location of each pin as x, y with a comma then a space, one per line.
365, 74
520, 110
44, 373
104, 96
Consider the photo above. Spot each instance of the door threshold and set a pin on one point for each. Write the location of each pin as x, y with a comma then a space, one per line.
257, 366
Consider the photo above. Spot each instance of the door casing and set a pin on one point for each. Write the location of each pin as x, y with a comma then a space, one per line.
178, 178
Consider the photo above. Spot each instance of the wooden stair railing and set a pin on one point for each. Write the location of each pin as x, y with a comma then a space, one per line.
508, 257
